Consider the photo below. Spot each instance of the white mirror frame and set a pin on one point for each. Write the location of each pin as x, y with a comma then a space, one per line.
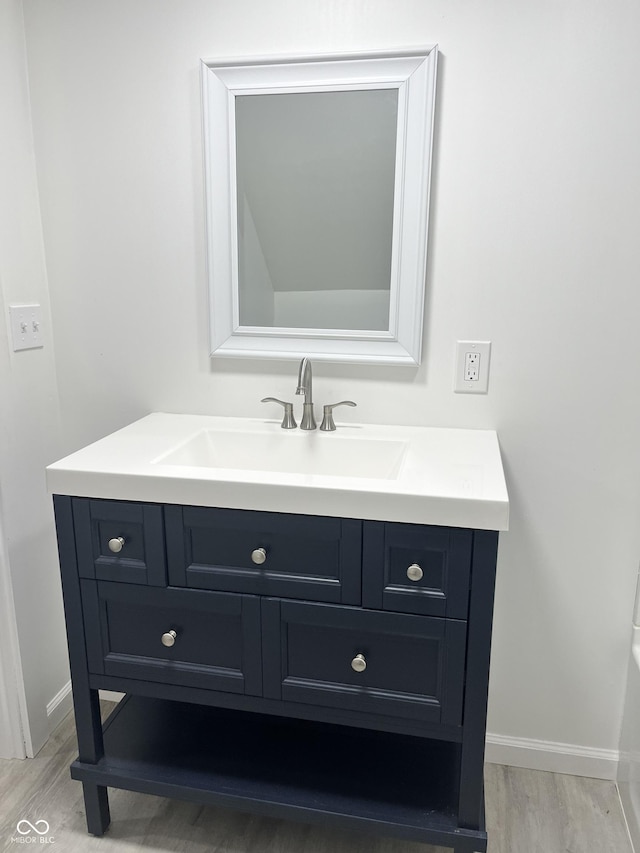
413, 74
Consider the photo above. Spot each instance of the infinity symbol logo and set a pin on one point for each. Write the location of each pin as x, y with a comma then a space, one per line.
32, 828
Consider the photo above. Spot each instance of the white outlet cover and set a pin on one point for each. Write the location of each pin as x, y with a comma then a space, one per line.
472, 386
26, 326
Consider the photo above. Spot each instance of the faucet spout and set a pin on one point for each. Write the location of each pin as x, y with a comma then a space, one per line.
305, 380
305, 386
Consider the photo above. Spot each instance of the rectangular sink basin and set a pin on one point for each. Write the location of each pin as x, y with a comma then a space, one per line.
315, 453
416, 475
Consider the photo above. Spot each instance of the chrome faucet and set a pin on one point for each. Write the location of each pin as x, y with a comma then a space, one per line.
305, 387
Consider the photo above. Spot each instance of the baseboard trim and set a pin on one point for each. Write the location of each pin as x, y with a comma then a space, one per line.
630, 811
59, 706
553, 757
62, 703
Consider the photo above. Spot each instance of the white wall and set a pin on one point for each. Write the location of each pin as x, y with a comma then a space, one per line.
629, 767
29, 427
533, 246
12, 741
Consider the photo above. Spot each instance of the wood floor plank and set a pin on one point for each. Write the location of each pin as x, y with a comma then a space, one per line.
537, 812
528, 811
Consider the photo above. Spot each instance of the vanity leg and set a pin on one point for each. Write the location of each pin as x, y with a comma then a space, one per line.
86, 701
96, 804
471, 802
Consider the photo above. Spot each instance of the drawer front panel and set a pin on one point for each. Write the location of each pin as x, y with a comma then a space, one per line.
413, 666
416, 569
305, 557
216, 645
141, 559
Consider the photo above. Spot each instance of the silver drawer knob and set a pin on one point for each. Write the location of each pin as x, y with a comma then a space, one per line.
116, 545
169, 638
259, 556
414, 572
359, 664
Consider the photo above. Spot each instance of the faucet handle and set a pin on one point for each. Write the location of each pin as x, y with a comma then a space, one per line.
328, 424
288, 421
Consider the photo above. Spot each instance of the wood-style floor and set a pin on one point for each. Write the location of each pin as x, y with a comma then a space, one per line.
527, 812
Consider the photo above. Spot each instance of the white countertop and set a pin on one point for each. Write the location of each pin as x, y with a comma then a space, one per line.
422, 475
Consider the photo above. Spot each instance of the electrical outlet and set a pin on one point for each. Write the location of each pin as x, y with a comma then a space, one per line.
26, 326
472, 367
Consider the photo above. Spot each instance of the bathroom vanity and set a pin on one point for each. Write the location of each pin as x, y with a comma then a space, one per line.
310, 643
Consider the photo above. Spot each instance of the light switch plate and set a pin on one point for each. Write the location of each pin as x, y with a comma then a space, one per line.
26, 326
472, 367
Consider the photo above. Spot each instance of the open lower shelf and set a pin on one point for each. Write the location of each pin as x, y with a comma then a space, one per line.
319, 772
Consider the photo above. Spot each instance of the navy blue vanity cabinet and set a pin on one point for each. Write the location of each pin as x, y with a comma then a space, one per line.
120, 541
304, 641
363, 660
416, 569
174, 636
294, 556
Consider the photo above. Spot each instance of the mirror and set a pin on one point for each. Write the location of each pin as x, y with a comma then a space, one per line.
315, 171
317, 186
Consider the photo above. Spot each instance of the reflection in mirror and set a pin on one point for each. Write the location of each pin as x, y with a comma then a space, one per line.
315, 176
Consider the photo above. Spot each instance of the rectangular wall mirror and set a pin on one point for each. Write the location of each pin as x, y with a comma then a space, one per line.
317, 189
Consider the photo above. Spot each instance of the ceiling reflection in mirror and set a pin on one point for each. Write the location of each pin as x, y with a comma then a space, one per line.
315, 180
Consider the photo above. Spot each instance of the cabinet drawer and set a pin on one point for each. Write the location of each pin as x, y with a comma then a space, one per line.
411, 666
304, 557
217, 636
416, 569
134, 527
